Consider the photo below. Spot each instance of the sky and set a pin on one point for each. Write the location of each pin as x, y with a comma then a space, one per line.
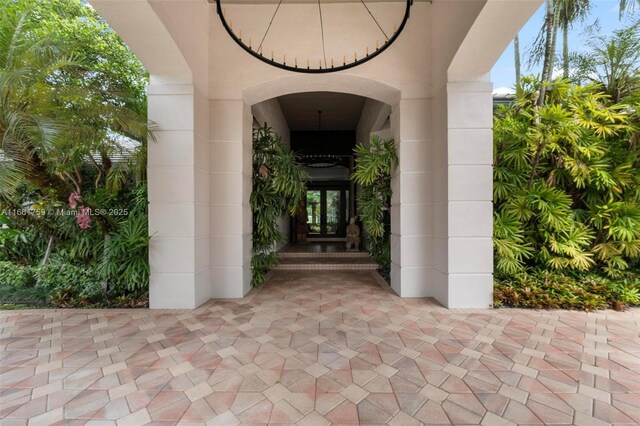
605, 12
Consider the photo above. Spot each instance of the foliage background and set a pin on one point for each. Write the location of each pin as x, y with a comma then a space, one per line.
567, 184
72, 122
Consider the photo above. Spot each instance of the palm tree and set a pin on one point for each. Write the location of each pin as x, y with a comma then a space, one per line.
628, 6
612, 62
54, 118
27, 125
568, 12
562, 14
547, 49
59, 127
517, 62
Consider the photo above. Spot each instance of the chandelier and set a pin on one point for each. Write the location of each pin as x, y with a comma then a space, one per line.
314, 36
320, 161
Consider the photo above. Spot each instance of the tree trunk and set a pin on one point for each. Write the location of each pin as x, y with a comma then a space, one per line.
516, 52
105, 259
554, 44
565, 50
549, 53
47, 253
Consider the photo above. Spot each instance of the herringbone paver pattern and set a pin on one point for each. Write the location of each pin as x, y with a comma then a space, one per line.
316, 348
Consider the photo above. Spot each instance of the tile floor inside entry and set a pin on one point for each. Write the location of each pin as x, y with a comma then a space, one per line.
319, 348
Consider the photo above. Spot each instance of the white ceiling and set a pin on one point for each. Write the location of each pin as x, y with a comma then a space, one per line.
310, 1
340, 111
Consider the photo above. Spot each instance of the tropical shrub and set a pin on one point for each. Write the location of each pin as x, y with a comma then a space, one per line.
125, 263
566, 181
278, 188
64, 285
566, 192
17, 276
18, 285
73, 156
374, 165
46, 285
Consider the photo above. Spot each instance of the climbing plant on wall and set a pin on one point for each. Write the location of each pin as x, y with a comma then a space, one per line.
279, 184
374, 165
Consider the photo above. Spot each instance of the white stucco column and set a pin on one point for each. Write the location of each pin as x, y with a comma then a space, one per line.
463, 151
175, 56
230, 213
178, 198
412, 203
470, 194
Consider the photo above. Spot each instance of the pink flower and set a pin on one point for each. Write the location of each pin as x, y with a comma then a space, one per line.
83, 219
73, 199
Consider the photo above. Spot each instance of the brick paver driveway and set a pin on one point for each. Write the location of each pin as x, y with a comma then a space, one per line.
318, 348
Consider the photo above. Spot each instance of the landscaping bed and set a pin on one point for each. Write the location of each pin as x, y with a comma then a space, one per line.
59, 285
554, 290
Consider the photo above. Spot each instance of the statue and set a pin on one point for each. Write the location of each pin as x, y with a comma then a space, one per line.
301, 224
353, 235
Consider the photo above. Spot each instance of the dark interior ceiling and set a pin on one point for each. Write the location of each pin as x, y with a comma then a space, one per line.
340, 111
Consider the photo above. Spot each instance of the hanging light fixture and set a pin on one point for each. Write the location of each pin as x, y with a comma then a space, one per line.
320, 161
322, 61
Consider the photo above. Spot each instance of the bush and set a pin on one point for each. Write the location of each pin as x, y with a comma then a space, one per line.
566, 179
60, 284
18, 285
70, 285
552, 290
57, 275
16, 276
126, 262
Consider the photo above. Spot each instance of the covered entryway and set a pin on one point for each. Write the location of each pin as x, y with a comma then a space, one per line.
203, 86
322, 129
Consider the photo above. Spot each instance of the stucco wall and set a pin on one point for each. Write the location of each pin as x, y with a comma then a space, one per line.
271, 113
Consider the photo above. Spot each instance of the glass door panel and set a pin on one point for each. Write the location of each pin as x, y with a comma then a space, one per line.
345, 207
314, 211
327, 211
332, 211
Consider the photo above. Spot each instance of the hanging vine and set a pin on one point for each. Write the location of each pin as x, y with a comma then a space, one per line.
374, 165
279, 185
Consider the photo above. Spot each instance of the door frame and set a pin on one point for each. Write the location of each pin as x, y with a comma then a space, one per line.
343, 187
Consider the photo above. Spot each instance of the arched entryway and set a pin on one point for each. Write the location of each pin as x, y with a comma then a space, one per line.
435, 78
370, 107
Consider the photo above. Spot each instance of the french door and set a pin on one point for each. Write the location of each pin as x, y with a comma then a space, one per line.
327, 211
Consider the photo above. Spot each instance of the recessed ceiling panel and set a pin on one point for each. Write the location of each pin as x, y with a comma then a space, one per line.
339, 111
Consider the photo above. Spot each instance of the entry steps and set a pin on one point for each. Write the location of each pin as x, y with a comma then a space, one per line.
323, 257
